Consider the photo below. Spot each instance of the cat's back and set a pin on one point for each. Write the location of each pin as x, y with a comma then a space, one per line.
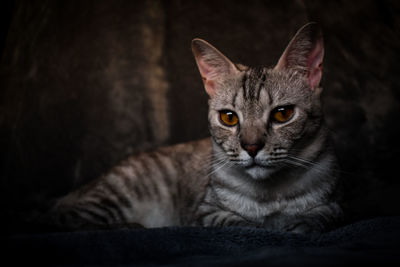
158, 188
188, 158
185, 163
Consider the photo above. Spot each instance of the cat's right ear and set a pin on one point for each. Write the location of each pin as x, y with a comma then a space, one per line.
305, 54
212, 64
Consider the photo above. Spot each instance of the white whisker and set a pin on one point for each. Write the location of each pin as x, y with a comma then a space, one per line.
217, 168
307, 164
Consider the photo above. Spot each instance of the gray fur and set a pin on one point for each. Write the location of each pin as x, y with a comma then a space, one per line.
287, 186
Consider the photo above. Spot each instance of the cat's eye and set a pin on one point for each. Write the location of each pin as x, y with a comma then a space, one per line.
282, 114
228, 118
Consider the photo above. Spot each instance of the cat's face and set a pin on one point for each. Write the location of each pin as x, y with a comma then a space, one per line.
260, 118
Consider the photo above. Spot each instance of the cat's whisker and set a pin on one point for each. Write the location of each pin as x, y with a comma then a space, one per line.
217, 168
297, 164
307, 164
302, 160
213, 162
210, 158
214, 159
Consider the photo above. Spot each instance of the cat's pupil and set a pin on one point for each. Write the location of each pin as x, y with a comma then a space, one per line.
283, 111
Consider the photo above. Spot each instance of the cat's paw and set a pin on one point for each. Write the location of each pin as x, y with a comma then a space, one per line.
302, 227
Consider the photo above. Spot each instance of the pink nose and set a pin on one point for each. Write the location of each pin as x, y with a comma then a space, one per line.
252, 149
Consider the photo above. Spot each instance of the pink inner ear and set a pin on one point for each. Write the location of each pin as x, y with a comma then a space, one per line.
209, 86
315, 77
206, 73
204, 68
315, 65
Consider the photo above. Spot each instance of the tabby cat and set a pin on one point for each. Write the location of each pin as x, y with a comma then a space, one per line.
268, 163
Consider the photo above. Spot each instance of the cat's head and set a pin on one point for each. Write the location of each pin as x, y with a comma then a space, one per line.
262, 119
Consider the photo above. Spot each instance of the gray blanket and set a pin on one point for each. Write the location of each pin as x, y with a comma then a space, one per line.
369, 242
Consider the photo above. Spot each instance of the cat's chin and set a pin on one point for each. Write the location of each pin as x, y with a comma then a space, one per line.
259, 173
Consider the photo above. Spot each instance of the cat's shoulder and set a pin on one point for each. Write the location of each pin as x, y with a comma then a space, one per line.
197, 149
197, 146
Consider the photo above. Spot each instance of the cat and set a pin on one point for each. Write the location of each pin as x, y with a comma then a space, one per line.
268, 163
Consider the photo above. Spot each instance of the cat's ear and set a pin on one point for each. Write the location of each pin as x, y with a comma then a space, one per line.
305, 54
212, 64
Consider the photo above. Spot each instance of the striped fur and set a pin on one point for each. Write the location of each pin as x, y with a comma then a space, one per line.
287, 185
160, 188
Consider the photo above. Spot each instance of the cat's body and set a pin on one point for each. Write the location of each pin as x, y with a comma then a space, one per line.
159, 188
268, 163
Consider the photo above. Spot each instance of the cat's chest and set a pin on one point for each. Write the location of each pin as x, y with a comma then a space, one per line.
257, 208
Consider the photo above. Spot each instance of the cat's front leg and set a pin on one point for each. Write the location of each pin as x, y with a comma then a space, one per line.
304, 225
212, 216
315, 220
293, 224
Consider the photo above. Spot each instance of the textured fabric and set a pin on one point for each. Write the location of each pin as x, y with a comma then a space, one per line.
374, 241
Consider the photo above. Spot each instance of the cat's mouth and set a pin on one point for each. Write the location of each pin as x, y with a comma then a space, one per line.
250, 164
258, 171
256, 168
253, 164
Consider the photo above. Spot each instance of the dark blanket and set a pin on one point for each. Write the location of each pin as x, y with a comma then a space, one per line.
374, 241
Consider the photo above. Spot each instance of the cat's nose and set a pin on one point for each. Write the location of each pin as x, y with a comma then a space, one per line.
252, 149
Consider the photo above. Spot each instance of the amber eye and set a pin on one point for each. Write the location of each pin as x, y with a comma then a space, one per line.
228, 118
282, 114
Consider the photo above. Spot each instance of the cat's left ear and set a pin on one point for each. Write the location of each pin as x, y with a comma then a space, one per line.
305, 54
214, 67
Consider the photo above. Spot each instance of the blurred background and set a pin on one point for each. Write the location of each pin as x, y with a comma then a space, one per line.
83, 84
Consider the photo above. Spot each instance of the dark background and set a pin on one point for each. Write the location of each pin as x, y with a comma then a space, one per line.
85, 83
